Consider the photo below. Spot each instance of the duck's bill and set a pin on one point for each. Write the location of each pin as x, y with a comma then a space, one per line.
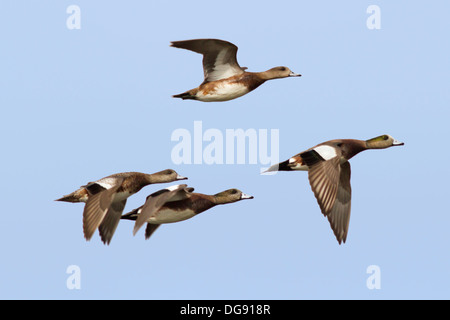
293, 74
246, 196
181, 177
398, 143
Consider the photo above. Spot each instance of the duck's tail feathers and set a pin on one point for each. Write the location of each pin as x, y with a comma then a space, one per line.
185, 95
282, 166
79, 195
132, 215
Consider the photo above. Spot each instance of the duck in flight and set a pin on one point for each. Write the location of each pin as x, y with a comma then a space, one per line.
106, 199
328, 169
224, 79
177, 203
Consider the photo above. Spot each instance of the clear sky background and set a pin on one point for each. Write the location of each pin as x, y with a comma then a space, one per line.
78, 105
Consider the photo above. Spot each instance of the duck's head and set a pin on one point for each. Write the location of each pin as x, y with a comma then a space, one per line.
164, 176
231, 195
382, 142
280, 72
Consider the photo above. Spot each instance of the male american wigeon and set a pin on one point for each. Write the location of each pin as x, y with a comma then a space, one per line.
176, 204
329, 175
224, 78
106, 198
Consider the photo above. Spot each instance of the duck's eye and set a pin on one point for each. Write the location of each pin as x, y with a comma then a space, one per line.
283, 69
234, 191
385, 137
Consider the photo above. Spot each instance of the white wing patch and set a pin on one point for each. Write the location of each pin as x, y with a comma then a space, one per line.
326, 152
222, 68
220, 59
107, 183
221, 71
171, 188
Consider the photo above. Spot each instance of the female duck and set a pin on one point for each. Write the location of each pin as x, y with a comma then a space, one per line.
224, 78
106, 198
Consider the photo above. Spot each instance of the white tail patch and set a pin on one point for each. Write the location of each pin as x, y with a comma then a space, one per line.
326, 152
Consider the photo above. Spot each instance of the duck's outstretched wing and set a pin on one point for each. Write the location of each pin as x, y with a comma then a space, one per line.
330, 182
339, 216
111, 221
323, 175
150, 229
219, 57
96, 208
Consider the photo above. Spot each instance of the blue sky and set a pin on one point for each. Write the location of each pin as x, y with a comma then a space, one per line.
78, 105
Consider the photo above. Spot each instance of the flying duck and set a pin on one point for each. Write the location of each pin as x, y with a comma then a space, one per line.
329, 175
176, 204
106, 198
224, 78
